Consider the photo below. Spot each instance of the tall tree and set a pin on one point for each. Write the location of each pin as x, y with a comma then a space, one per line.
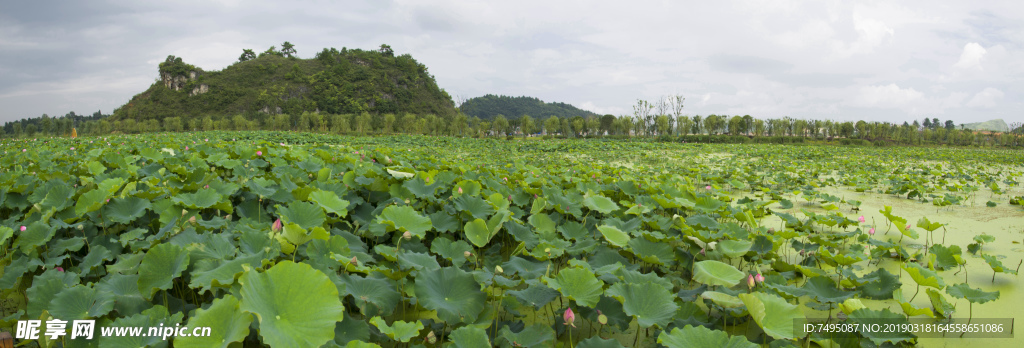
247, 54
288, 49
526, 125
551, 125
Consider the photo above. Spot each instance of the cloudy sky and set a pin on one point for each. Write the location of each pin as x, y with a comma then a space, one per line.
841, 60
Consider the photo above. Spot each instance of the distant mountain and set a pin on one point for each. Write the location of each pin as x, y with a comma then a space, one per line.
489, 106
996, 125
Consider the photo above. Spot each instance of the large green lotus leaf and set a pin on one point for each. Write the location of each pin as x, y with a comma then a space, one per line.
734, 248
126, 210
417, 261
542, 222
159, 267
58, 197
223, 274
997, 266
128, 300
351, 329
652, 252
373, 296
36, 234
224, 314
476, 207
420, 188
650, 303
928, 225
477, 232
881, 286
940, 304
405, 218
912, 311
700, 336
526, 269
872, 317
824, 289
598, 342
45, 287
329, 201
201, 199
577, 284
470, 337
81, 302
946, 257
536, 335
468, 187
296, 305
773, 314
924, 276
452, 292
399, 330
361, 344
614, 236
722, 299
599, 203
973, 295
306, 215
713, 272
453, 251
5, 234
94, 199
536, 295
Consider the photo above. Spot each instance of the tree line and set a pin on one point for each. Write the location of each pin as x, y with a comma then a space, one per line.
642, 124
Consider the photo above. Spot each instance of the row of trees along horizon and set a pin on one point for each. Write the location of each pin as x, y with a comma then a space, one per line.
645, 122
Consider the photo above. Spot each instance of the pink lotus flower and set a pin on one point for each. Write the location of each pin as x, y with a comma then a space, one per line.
759, 278
861, 218
186, 148
23, 150
460, 190
569, 317
61, 269
907, 228
259, 153
72, 148
23, 228
206, 186
277, 225
871, 231
750, 280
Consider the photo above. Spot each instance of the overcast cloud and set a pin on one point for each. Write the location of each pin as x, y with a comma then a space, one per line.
840, 60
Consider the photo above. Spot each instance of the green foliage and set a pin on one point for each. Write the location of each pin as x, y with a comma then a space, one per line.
490, 106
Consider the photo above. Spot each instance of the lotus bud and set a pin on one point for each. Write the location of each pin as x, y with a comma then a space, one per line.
259, 153
60, 269
183, 212
23, 228
871, 231
707, 187
467, 254
759, 278
192, 220
861, 218
908, 227
498, 270
354, 261
702, 251
547, 250
227, 217
81, 227
750, 280
569, 317
407, 235
277, 225
460, 190
431, 338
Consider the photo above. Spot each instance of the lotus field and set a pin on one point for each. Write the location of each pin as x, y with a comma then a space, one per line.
308, 240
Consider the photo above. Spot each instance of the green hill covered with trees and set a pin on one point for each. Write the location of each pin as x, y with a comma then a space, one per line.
260, 89
489, 106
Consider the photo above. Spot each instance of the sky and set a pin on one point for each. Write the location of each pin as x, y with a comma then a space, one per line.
890, 61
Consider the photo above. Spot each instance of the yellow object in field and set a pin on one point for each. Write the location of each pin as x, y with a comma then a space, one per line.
74, 133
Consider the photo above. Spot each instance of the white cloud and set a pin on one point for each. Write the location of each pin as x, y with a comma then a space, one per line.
971, 56
986, 98
889, 96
